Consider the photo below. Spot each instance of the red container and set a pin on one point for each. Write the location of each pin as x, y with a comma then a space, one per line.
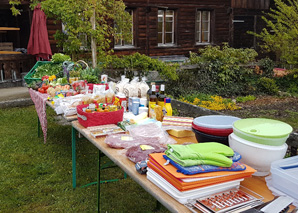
213, 131
87, 119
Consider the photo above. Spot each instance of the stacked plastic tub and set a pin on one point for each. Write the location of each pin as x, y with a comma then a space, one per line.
260, 141
213, 128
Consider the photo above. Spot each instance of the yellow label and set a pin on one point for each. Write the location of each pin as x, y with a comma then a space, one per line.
146, 147
126, 138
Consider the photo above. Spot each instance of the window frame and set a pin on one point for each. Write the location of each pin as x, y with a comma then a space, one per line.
164, 31
199, 31
122, 44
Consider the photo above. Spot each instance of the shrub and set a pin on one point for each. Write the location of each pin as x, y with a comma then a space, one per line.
141, 63
268, 86
267, 65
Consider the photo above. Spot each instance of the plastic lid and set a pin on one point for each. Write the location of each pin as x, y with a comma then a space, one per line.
215, 121
263, 127
168, 100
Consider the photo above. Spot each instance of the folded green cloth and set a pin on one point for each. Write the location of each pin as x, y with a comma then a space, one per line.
210, 153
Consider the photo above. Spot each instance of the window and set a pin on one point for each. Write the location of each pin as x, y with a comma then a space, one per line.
165, 27
121, 42
203, 27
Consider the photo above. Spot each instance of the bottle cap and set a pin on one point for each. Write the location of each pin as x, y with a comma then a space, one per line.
168, 100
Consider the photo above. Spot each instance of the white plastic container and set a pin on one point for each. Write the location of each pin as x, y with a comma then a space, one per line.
258, 156
285, 176
182, 197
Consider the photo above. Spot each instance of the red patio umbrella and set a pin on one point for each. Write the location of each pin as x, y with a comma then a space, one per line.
39, 44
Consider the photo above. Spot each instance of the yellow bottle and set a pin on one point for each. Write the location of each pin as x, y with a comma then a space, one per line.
168, 107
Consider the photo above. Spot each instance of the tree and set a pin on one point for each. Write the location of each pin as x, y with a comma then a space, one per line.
86, 23
281, 34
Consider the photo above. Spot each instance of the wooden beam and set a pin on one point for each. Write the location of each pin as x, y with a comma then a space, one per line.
9, 28
9, 52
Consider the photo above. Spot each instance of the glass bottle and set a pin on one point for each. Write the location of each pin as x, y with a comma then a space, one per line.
161, 97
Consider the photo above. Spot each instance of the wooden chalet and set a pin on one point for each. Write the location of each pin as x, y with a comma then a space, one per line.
160, 28
175, 27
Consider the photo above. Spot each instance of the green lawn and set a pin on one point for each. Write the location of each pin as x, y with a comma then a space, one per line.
37, 177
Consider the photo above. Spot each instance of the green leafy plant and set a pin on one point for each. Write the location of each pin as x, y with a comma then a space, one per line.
60, 57
280, 35
140, 63
268, 85
91, 75
267, 65
243, 99
48, 69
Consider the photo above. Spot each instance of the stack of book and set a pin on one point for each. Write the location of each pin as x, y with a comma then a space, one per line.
183, 187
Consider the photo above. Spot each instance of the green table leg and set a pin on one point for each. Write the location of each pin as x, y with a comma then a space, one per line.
38, 127
158, 206
98, 181
73, 146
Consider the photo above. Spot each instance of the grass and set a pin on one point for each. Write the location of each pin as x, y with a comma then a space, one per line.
37, 177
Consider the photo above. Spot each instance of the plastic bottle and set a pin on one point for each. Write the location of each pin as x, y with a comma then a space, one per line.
168, 107
161, 97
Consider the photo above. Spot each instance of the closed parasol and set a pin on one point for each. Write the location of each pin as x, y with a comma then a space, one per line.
39, 44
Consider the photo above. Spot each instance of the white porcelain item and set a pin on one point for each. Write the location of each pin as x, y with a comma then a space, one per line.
258, 156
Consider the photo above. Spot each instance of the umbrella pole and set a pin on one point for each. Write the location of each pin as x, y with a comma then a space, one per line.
93, 41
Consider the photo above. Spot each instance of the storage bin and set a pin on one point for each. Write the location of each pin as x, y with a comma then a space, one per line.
284, 174
28, 78
87, 119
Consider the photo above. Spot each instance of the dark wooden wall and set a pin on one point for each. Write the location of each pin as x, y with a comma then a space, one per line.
251, 4
146, 25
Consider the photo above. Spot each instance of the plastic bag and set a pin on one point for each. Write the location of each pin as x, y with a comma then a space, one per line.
124, 141
152, 130
141, 152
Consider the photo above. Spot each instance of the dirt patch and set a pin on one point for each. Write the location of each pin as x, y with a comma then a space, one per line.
284, 109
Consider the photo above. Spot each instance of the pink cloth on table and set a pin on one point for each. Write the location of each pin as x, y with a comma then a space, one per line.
39, 100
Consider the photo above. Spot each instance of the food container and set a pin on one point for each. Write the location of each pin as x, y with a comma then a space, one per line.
88, 119
262, 130
256, 155
285, 176
203, 137
217, 125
